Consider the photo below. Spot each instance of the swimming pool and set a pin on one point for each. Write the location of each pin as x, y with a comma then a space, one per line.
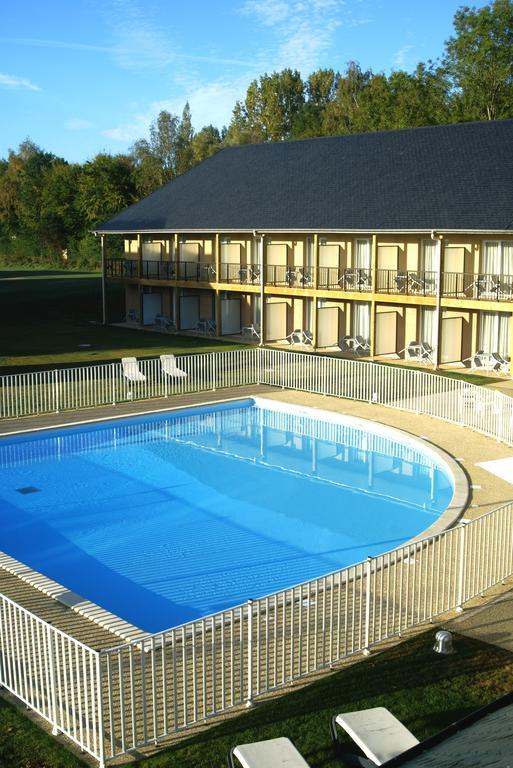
164, 518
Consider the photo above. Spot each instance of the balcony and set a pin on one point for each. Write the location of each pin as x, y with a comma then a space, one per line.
289, 277
467, 285
406, 282
196, 271
348, 279
242, 274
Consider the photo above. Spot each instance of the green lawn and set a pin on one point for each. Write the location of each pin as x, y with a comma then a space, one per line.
47, 315
425, 691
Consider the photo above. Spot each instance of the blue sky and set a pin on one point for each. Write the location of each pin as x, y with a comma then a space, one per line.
83, 76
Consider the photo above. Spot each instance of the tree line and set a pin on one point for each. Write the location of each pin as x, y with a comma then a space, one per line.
49, 206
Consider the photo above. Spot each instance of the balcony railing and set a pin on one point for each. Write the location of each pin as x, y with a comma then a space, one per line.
348, 279
158, 270
289, 277
406, 282
467, 285
197, 271
243, 274
121, 268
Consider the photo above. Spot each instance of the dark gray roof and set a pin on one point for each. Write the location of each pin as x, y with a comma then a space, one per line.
452, 177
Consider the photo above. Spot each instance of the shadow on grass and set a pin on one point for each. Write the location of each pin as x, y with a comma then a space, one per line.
426, 692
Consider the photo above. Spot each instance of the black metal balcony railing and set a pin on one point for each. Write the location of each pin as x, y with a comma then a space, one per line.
197, 271
407, 282
467, 285
158, 270
348, 279
289, 276
121, 268
243, 274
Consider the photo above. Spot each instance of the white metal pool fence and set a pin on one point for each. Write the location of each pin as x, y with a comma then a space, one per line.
112, 701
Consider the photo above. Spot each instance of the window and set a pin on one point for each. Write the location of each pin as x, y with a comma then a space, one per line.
497, 257
362, 254
427, 326
361, 319
494, 332
429, 256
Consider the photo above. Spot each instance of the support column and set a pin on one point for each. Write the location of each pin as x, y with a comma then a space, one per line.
510, 346
315, 285
140, 273
104, 276
217, 311
372, 328
438, 311
262, 261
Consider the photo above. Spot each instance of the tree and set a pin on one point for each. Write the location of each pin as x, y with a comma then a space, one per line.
205, 143
61, 221
479, 60
106, 186
184, 157
271, 109
154, 159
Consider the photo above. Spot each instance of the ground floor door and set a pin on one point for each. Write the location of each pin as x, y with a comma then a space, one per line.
152, 305
189, 312
230, 316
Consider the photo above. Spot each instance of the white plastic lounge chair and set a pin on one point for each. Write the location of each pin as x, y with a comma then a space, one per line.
273, 753
428, 353
169, 367
361, 346
131, 370
379, 735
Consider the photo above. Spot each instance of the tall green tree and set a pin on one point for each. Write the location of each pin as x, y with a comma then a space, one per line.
106, 186
205, 143
184, 156
479, 60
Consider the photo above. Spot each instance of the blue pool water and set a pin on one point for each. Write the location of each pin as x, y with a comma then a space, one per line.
165, 518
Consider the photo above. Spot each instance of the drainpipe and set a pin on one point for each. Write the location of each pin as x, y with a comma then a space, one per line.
104, 272
438, 325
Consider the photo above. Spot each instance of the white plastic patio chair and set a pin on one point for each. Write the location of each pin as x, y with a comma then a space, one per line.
273, 753
131, 370
164, 323
170, 368
296, 337
379, 735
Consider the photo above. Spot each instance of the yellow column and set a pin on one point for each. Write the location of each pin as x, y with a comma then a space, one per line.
374, 261
217, 256
511, 346
316, 260
217, 312
438, 310
314, 323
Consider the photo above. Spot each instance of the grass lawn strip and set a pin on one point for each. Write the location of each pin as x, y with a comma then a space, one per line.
425, 691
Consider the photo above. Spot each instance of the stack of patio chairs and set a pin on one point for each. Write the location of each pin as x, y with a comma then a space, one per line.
298, 336
489, 361
164, 323
354, 345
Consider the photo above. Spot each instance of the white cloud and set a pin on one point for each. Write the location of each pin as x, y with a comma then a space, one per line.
14, 82
401, 55
77, 124
302, 30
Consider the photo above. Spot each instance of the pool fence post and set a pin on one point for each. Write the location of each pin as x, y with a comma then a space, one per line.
53, 691
461, 584
101, 726
112, 381
367, 591
249, 698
